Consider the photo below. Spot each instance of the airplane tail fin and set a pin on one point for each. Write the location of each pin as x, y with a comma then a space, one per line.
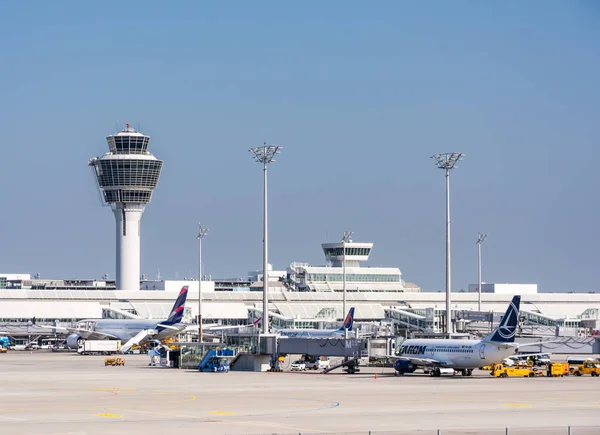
505, 333
348, 321
176, 315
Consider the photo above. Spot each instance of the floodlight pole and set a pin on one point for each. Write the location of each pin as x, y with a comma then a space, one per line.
345, 239
447, 162
265, 155
201, 233
480, 238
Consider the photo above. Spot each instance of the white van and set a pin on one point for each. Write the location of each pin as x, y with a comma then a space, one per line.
317, 364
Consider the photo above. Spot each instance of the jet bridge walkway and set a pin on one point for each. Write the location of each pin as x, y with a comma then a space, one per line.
411, 321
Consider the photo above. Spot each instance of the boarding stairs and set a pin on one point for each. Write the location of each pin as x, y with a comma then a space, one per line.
351, 364
142, 335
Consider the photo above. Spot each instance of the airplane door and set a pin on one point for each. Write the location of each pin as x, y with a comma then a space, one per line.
482, 351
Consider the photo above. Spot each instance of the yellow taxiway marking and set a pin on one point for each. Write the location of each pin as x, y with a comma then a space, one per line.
518, 405
108, 415
221, 412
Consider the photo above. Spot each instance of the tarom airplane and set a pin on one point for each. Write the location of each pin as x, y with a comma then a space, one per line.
460, 354
320, 333
131, 332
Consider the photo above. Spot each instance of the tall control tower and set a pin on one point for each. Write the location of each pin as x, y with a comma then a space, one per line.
126, 176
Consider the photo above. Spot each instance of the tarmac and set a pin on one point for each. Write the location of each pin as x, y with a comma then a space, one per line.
64, 393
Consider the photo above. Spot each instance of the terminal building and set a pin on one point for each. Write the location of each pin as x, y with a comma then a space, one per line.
330, 278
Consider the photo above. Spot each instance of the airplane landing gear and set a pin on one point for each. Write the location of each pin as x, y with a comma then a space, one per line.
466, 372
436, 373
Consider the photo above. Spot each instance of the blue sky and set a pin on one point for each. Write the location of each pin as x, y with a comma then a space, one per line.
359, 94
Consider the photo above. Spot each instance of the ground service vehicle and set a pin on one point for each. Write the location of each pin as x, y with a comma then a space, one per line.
316, 363
114, 361
576, 361
502, 371
99, 347
216, 360
298, 366
559, 369
587, 368
442, 371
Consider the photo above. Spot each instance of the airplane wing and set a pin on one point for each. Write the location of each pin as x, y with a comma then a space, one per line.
88, 335
94, 335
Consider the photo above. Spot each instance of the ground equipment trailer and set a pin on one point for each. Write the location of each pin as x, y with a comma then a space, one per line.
559, 369
114, 361
99, 347
502, 371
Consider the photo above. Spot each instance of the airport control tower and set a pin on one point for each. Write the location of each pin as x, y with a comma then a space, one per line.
126, 176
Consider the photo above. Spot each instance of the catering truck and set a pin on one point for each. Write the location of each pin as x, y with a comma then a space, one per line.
99, 347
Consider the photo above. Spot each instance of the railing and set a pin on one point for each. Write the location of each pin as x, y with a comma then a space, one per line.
557, 430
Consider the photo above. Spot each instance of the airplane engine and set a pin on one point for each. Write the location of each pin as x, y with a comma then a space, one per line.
74, 340
403, 366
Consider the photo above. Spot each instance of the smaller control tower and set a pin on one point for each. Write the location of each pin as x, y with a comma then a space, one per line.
355, 253
126, 176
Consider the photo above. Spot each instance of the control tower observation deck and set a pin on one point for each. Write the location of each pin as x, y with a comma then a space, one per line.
355, 253
126, 176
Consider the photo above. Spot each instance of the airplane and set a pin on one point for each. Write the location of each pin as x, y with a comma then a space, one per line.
462, 354
320, 333
130, 331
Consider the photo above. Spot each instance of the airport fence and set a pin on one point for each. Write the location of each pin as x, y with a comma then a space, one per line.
556, 430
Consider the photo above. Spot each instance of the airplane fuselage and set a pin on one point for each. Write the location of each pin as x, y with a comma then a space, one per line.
127, 329
456, 353
124, 329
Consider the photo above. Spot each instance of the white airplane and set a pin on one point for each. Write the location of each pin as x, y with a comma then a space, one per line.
460, 354
130, 331
321, 333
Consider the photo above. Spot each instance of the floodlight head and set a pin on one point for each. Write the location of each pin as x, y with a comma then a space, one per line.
201, 231
266, 153
447, 161
481, 237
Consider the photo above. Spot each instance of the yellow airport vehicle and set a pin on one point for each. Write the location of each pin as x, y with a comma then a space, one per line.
502, 371
559, 369
3, 349
114, 361
587, 368
167, 342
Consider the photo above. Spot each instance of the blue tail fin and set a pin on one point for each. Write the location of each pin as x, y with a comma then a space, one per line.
176, 315
505, 333
348, 321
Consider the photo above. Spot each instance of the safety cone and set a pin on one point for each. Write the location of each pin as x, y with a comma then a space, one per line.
376, 376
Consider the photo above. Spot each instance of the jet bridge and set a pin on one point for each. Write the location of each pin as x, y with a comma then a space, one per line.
321, 346
412, 321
